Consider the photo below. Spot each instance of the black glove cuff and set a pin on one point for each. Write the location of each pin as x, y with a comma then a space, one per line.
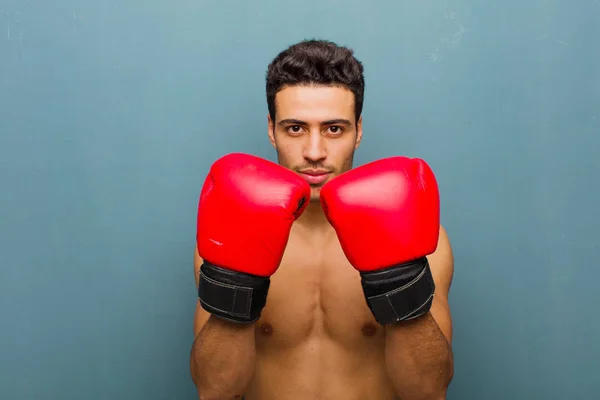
232, 295
399, 293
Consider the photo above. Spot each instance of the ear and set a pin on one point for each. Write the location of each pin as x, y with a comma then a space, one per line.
271, 133
359, 132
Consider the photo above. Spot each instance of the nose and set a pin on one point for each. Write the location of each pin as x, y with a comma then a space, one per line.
315, 149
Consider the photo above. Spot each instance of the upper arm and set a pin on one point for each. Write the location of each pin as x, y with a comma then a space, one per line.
441, 263
201, 315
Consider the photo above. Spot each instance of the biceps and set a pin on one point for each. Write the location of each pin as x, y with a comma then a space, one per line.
200, 318
442, 268
201, 315
440, 311
197, 264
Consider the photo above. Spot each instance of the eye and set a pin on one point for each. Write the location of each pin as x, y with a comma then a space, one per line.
294, 129
336, 130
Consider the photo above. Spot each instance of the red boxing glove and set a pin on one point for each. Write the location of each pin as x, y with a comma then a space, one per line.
246, 210
387, 217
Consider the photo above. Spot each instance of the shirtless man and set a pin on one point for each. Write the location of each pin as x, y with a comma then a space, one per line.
312, 246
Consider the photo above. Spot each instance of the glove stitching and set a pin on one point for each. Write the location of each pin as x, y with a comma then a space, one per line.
402, 288
414, 313
226, 285
233, 303
392, 307
235, 290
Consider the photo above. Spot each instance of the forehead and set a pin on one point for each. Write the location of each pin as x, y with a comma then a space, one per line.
314, 103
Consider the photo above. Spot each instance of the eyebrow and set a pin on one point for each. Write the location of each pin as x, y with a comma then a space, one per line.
337, 121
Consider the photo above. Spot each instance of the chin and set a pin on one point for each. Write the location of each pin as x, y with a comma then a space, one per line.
315, 195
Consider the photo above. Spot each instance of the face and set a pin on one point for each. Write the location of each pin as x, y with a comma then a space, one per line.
315, 133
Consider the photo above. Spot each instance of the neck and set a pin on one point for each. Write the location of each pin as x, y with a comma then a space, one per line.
314, 217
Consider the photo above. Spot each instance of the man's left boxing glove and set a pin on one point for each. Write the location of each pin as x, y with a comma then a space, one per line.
387, 217
246, 209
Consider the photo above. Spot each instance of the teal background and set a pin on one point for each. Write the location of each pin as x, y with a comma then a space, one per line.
112, 111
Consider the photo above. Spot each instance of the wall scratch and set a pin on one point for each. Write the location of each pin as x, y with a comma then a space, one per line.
449, 41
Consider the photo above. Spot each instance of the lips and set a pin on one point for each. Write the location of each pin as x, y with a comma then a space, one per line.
315, 177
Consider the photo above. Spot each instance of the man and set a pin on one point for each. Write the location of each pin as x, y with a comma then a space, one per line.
318, 280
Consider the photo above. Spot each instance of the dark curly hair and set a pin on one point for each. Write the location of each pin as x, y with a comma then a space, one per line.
316, 62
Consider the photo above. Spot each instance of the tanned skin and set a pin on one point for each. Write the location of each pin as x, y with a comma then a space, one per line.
316, 338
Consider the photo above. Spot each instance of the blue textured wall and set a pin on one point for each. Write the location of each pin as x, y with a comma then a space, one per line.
112, 111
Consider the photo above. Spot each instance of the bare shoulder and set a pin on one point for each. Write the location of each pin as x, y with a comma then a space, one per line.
201, 315
197, 263
441, 263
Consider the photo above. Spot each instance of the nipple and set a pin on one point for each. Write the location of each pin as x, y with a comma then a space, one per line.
266, 329
368, 329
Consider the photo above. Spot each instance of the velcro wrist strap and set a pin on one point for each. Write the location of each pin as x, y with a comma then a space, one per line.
232, 295
407, 301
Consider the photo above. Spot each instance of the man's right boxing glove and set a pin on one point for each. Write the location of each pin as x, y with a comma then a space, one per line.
246, 210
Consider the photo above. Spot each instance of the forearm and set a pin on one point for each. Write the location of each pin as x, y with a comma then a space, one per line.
419, 359
222, 359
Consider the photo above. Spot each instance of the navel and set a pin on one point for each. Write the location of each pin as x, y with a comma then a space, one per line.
369, 329
266, 329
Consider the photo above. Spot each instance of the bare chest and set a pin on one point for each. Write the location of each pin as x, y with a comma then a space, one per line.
316, 294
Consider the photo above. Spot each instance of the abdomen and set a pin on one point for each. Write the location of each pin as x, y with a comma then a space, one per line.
321, 369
